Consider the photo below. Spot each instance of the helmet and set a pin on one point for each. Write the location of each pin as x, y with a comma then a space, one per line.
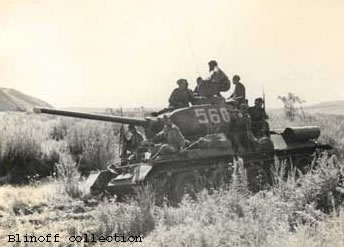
182, 81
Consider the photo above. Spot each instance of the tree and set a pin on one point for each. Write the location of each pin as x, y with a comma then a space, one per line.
290, 101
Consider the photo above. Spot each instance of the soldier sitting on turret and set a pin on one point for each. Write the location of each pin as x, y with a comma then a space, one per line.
196, 91
260, 126
131, 146
170, 139
181, 97
239, 94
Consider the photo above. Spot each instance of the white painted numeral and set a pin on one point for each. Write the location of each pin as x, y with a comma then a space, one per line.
214, 116
225, 115
202, 116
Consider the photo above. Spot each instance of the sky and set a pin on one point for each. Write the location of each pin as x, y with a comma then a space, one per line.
110, 53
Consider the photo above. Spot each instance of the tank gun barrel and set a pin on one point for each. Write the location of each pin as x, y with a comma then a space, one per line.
92, 116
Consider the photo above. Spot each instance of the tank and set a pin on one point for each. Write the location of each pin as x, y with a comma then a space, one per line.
218, 142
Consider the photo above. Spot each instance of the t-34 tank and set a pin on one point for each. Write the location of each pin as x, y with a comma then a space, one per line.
215, 132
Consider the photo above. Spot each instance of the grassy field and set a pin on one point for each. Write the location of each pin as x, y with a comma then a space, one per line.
304, 212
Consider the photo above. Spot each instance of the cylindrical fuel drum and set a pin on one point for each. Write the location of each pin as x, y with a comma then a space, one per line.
301, 133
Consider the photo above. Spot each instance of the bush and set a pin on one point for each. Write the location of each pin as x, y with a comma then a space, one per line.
69, 176
94, 145
25, 148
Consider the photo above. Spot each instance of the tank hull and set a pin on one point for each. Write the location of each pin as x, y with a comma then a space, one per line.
205, 164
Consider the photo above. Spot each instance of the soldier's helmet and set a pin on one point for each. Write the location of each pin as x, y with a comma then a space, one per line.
182, 81
258, 100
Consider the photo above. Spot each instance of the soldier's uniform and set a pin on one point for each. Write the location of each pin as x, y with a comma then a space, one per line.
239, 94
218, 77
171, 140
131, 145
217, 82
180, 98
244, 140
134, 142
258, 116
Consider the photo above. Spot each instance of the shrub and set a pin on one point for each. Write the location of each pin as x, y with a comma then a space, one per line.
94, 145
69, 176
25, 147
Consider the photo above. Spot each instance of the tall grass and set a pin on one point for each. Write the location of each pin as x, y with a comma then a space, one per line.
31, 145
308, 211
302, 210
25, 147
94, 145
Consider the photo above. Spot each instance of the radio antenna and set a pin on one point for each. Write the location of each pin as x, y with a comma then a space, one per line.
192, 53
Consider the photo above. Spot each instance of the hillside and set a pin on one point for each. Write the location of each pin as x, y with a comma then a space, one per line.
328, 107
13, 100
331, 107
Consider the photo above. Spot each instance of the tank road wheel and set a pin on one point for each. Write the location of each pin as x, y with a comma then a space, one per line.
257, 178
188, 183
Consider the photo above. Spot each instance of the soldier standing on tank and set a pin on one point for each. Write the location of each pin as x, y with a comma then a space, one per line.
260, 126
239, 94
170, 139
244, 140
131, 146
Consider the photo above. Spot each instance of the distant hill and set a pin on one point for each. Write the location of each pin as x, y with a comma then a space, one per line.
331, 107
13, 100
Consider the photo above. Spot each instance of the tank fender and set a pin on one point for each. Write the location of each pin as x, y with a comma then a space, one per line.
141, 171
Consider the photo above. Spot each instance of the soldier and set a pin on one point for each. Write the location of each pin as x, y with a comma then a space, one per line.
170, 139
239, 94
219, 81
244, 140
218, 76
132, 144
196, 91
260, 126
182, 96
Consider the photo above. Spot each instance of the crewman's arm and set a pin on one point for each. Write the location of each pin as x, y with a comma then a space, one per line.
159, 137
